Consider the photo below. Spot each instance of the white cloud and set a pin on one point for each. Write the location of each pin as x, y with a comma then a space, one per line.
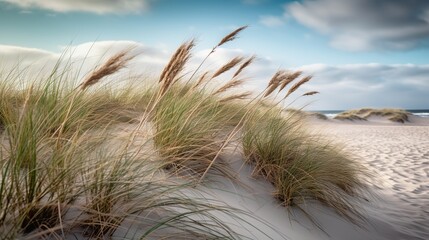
271, 21
369, 85
13, 55
94, 6
366, 24
341, 86
81, 58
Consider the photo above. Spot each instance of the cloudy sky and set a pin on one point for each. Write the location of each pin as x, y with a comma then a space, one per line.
362, 53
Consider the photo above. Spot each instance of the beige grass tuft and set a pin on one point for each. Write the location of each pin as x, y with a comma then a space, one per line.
274, 82
244, 65
231, 84
112, 65
175, 65
227, 66
231, 36
289, 78
297, 85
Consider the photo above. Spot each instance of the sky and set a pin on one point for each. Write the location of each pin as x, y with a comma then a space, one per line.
361, 53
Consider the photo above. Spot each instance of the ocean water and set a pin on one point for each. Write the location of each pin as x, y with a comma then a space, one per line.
417, 112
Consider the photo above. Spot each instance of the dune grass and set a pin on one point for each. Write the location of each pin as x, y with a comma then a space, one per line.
300, 166
394, 115
67, 171
64, 173
189, 131
57, 162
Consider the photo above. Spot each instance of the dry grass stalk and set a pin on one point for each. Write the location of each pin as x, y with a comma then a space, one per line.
175, 65
201, 80
227, 66
231, 36
236, 96
271, 89
276, 77
310, 93
228, 85
289, 78
274, 82
244, 65
112, 65
297, 85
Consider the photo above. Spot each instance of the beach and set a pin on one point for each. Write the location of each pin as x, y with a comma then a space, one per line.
397, 156
177, 160
394, 204
396, 208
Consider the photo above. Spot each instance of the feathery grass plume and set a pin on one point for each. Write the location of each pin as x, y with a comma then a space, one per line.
297, 85
112, 65
175, 65
227, 66
201, 80
275, 77
289, 78
271, 89
236, 96
228, 85
310, 93
244, 65
274, 82
231, 36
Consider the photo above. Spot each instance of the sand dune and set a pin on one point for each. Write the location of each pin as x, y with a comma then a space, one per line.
398, 155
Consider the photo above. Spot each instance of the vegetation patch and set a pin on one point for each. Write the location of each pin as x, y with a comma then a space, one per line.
66, 171
394, 115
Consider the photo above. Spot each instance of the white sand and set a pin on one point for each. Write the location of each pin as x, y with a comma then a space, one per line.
397, 154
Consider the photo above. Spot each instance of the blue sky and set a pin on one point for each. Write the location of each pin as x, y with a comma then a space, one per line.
356, 50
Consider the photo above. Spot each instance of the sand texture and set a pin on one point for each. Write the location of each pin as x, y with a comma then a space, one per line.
398, 208
398, 156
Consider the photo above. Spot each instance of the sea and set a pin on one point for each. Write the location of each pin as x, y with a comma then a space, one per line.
417, 112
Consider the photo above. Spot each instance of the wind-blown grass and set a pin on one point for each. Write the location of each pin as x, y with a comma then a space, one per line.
53, 166
189, 131
67, 170
300, 166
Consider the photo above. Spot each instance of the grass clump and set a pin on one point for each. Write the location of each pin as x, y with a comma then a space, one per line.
394, 115
191, 123
66, 171
188, 130
300, 166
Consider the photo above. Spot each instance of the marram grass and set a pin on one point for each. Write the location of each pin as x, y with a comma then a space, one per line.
67, 171
300, 166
